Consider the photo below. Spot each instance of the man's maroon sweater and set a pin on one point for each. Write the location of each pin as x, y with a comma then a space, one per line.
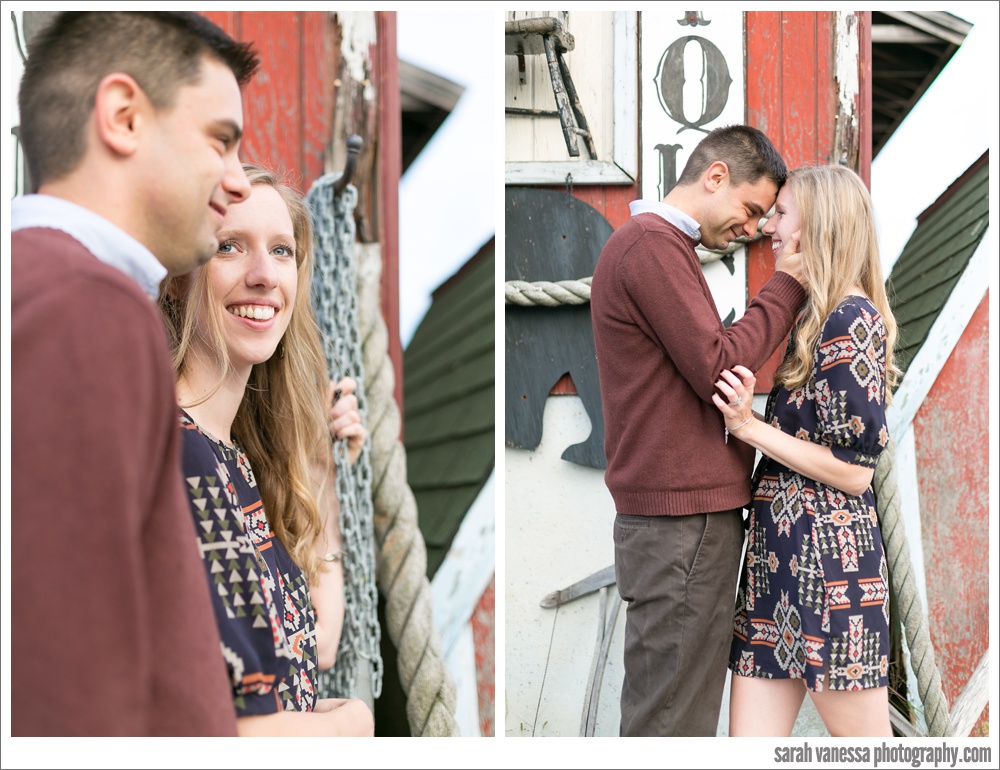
661, 346
112, 628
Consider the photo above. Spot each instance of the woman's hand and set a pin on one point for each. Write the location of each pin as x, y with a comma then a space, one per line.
789, 258
352, 716
813, 461
330, 717
344, 417
736, 401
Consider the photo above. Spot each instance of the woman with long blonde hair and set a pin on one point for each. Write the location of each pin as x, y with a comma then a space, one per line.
257, 413
812, 611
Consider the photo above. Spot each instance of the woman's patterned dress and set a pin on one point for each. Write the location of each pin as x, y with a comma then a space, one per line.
262, 604
813, 600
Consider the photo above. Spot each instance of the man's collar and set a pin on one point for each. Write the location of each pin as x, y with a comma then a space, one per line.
104, 240
673, 215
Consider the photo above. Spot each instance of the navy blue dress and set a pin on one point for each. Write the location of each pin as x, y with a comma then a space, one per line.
813, 600
262, 604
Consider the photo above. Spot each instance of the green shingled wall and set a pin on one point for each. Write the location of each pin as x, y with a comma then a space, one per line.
449, 402
934, 259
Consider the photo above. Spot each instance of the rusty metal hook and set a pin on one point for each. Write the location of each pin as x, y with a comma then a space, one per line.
354, 145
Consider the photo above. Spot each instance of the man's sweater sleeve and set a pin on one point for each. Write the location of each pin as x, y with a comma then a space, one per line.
668, 289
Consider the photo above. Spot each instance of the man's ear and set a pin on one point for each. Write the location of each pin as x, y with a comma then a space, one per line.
716, 175
120, 107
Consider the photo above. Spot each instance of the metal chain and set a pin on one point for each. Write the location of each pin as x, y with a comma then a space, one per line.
334, 299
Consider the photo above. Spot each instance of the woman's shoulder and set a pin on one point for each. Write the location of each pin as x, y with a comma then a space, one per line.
854, 309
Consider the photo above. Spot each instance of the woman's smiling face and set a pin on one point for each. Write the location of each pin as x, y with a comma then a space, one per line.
253, 279
785, 220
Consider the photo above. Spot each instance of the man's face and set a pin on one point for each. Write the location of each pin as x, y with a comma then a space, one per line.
735, 210
190, 169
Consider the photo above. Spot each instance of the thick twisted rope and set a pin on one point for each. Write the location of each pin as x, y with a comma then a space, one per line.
577, 292
546, 293
402, 554
914, 621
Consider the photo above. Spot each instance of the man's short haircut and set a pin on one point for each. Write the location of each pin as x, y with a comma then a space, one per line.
67, 60
746, 150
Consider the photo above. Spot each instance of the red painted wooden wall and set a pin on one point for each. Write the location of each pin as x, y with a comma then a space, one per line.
483, 635
950, 431
791, 97
288, 105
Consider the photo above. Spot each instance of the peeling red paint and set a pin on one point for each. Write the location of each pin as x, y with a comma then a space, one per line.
950, 430
287, 106
483, 636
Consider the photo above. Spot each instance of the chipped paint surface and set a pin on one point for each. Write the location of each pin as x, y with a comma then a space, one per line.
484, 634
846, 58
359, 35
953, 462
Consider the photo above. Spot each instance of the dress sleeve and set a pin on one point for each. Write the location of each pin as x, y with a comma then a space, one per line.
850, 384
242, 602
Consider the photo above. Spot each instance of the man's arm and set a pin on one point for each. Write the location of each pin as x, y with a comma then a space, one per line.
671, 292
101, 565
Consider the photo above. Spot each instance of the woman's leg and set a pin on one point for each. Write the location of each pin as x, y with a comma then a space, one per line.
764, 707
854, 714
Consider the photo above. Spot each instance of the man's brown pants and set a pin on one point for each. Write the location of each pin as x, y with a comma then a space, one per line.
678, 576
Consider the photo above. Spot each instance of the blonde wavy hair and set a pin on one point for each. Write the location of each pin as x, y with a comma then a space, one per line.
839, 246
281, 423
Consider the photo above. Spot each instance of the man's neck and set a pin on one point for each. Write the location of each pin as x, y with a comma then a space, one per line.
106, 195
680, 198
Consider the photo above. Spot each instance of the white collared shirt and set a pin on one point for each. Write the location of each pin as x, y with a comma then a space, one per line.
106, 241
674, 216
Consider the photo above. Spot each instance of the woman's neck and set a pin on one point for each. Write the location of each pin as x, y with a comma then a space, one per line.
211, 397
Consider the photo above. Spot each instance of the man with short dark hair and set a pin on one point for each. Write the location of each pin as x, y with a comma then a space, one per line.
130, 124
677, 484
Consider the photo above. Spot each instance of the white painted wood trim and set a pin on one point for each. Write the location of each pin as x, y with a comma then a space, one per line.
909, 506
467, 570
582, 171
461, 663
626, 94
941, 340
624, 166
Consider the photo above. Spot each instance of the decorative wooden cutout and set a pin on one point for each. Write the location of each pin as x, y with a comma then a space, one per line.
551, 236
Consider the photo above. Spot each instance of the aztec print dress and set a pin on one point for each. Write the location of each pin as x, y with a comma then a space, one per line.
262, 605
813, 600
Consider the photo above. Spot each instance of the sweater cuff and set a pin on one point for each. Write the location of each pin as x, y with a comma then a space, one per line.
786, 288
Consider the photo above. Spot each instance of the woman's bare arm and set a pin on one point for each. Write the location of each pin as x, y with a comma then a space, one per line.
327, 589
813, 461
331, 717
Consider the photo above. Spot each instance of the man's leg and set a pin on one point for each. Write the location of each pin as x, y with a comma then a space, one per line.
678, 575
